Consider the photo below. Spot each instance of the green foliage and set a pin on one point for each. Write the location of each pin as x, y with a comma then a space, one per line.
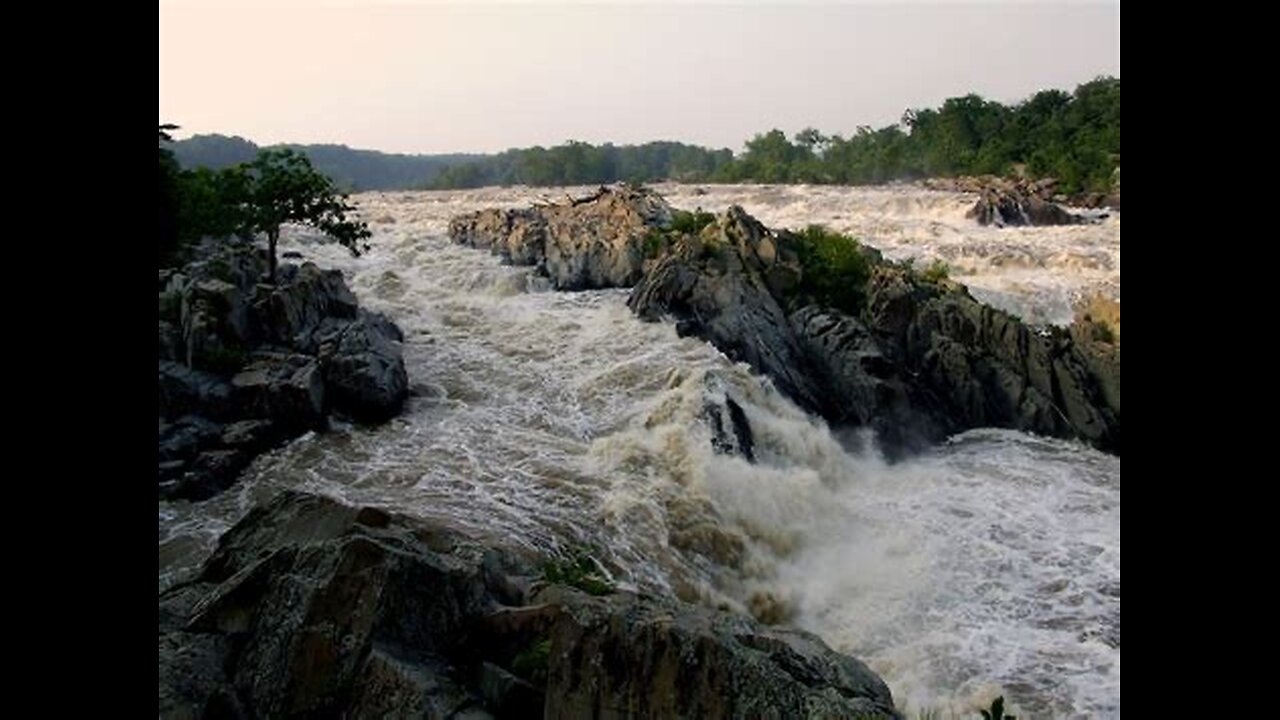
279, 186
654, 242
209, 204
580, 163
691, 223
936, 272
532, 662
997, 711
579, 570
683, 222
834, 269
1101, 332
1074, 137
169, 239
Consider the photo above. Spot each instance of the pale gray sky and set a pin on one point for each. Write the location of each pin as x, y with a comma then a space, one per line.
482, 77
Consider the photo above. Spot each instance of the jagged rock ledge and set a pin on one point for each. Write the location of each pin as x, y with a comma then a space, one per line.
312, 608
245, 365
916, 358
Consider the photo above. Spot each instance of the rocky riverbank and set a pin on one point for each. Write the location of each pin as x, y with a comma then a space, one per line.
309, 607
245, 365
908, 353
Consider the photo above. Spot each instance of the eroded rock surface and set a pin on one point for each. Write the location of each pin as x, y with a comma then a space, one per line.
309, 607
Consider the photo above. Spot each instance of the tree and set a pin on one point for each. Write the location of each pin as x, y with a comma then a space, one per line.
281, 186
169, 199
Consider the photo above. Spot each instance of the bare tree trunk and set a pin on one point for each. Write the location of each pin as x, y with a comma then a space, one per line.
272, 237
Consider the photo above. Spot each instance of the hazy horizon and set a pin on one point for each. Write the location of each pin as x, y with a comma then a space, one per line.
481, 78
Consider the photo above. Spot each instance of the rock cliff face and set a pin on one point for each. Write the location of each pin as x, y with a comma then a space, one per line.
313, 608
918, 360
245, 365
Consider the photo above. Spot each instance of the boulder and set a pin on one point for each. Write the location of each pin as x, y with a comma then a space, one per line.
287, 389
364, 369
592, 242
625, 656
289, 312
1014, 207
184, 391
309, 607
208, 474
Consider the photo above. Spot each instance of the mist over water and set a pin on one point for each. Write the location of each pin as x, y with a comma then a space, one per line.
990, 565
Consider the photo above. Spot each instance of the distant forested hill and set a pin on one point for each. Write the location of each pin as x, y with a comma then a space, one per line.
1074, 137
350, 169
580, 163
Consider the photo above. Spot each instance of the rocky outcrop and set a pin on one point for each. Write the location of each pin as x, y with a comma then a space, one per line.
593, 242
245, 365
919, 358
1004, 208
723, 285
987, 368
313, 608
1011, 202
921, 361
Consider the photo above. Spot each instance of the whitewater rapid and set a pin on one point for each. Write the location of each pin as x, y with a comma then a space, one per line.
989, 566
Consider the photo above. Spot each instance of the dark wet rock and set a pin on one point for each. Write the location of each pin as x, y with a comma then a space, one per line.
208, 474
987, 368
1014, 207
185, 391
508, 696
291, 311
251, 436
730, 429
723, 285
304, 610
185, 437
364, 371
624, 656
268, 359
1012, 202
866, 387
289, 390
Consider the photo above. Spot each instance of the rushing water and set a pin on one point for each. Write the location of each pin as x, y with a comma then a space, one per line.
991, 565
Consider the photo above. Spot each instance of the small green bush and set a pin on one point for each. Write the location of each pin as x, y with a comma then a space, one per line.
531, 663
580, 571
1102, 333
654, 241
835, 271
691, 223
936, 272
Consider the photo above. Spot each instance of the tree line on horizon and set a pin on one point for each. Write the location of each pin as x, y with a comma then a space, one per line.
1073, 137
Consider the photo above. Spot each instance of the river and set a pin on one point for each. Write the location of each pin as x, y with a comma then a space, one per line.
990, 565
